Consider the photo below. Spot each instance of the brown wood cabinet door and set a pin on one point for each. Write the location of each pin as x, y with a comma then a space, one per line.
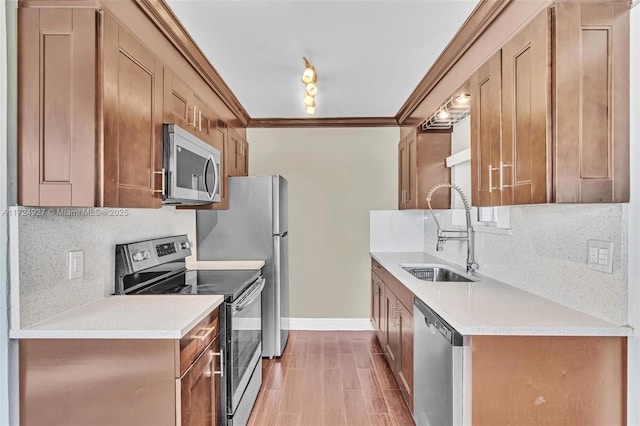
405, 359
403, 173
132, 120
485, 86
199, 389
412, 171
376, 305
243, 158
205, 122
433, 148
178, 101
524, 173
591, 71
235, 142
56, 106
391, 329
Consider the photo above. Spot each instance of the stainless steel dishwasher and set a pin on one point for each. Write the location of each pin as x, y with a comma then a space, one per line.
437, 373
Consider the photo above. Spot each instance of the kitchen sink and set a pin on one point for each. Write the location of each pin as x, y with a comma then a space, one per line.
436, 273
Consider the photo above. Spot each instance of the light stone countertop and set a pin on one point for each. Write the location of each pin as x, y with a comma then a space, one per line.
225, 265
126, 317
490, 307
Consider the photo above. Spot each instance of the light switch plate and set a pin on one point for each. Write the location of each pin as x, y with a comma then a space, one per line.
76, 264
600, 255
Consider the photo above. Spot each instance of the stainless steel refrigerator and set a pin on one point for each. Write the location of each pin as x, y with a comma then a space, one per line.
254, 228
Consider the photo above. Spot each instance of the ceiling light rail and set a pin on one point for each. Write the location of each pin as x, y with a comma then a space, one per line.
455, 110
309, 79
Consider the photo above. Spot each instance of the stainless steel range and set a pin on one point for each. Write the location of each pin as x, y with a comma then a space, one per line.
158, 267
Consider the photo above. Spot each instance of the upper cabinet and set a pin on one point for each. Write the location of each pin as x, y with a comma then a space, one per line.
510, 120
92, 103
523, 171
549, 115
421, 165
486, 111
57, 106
238, 154
591, 110
406, 197
132, 143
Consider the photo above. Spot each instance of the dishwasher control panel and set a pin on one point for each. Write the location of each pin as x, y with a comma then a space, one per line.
437, 325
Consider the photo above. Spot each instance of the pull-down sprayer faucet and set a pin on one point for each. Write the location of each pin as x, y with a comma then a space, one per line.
455, 234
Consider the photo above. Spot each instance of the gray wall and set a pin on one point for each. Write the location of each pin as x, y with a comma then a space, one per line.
336, 175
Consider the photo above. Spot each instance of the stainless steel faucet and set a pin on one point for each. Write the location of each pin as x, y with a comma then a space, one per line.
456, 234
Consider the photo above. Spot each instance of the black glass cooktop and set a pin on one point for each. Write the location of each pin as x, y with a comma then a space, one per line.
228, 283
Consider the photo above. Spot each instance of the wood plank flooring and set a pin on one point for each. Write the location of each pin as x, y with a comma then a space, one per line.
329, 378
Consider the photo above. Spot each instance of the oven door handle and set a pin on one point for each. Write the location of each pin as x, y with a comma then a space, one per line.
251, 297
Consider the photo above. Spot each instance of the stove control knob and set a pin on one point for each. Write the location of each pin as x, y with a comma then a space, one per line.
137, 256
146, 254
185, 245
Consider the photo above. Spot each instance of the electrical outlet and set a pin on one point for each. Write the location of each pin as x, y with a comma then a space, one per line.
76, 264
600, 255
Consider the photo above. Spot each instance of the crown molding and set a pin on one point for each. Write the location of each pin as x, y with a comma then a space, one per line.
164, 18
480, 19
324, 122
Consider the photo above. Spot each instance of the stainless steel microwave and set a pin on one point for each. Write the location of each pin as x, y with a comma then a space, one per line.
191, 169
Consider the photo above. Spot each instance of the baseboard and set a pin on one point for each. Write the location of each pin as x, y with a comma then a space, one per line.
358, 324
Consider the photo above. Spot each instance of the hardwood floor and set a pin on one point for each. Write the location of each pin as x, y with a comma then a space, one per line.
329, 378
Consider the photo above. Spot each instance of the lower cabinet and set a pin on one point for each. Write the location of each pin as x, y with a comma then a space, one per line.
198, 389
559, 380
105, 382
392, 318
523, 380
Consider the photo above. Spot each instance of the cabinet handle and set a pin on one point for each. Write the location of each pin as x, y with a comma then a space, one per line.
160, 172
490, 179
195, 113
221, 355
502, 166
203, 333
200, 120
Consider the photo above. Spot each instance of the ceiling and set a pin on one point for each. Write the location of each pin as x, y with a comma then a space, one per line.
369, 54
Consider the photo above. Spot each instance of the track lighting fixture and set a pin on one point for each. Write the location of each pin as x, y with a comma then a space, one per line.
309, 79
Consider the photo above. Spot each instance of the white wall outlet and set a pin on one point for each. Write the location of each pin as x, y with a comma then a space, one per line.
76, 264
600, 255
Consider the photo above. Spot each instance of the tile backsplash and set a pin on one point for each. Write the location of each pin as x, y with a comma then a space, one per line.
40, 287
544, 252
396, 230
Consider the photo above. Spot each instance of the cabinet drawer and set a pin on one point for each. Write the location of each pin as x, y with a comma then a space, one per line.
197, 339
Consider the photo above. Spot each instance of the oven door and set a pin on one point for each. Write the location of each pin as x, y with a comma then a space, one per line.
244, 341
